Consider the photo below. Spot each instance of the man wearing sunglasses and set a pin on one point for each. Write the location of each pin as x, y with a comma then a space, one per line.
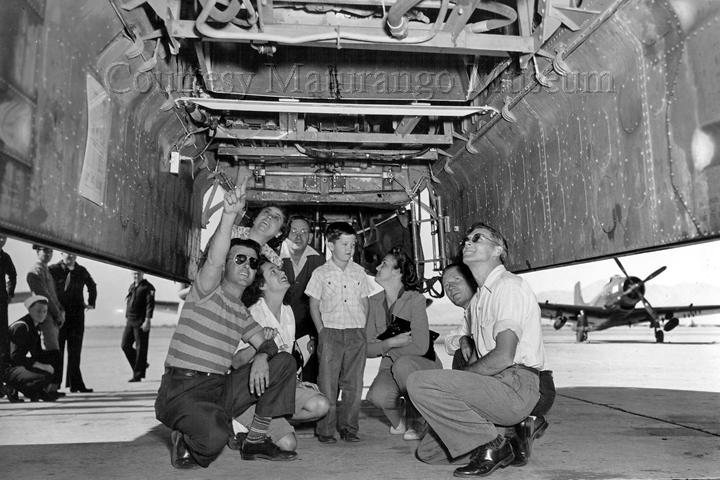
199, 392
500, 386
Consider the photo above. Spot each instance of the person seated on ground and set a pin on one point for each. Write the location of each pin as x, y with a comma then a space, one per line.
199, 395
404, 353
500, 386
266, 298
267, 228
32, 369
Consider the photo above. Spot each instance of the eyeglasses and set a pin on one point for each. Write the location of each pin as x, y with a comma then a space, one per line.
479, 236
241, 259
299, 232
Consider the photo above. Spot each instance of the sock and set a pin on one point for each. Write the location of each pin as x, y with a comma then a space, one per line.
258, 429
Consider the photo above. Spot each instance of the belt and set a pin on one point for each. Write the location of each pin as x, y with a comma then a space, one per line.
189, 373
529, 369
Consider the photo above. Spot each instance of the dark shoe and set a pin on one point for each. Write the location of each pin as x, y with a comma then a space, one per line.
12, 396
81, 390
135, 378
235, 442
48, 396
266, 450
486, 460
326, 439
540, 425
179, 454
522, 442
349, 437
59, 394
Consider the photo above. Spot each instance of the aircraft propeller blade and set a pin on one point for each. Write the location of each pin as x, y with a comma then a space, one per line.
617, 260
648, 308
655, 274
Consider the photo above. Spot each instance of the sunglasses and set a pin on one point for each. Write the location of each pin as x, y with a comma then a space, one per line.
477, 237
242, 259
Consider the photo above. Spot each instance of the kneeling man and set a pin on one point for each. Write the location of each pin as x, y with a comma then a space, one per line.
199, 393
500, 385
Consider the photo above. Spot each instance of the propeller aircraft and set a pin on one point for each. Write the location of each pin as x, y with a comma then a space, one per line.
616, 305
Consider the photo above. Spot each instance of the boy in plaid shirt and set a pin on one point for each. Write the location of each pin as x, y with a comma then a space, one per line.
338, 292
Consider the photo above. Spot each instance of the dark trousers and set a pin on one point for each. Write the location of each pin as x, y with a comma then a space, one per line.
202, 407
31, 381
71, 333
136, 355
4, 335
342, 363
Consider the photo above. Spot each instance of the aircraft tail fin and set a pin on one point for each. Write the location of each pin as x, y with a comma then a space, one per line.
578, 295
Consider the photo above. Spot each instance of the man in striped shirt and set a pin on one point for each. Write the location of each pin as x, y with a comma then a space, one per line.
200, 393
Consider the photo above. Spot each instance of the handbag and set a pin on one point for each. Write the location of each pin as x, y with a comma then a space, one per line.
400, 325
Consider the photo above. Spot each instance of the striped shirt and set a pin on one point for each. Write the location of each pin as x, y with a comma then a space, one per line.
209, 330
340, 293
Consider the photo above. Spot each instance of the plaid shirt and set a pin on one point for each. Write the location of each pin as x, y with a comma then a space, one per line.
340, 293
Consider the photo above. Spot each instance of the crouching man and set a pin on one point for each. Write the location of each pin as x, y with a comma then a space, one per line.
499, 386
199, 393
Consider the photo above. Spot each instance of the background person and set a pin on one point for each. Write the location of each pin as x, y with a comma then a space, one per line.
140, 304
459, 286
8, 280
71, 280
41, 282
31, 368
404, 353
299, 261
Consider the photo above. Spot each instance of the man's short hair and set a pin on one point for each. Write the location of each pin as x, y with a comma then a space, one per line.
37, 246
336, 229
465, 272
299, 217
496, 236
244, 242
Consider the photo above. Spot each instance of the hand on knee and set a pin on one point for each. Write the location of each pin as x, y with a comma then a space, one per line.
287, 443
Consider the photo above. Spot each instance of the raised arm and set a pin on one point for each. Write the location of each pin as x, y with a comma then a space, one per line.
211, 272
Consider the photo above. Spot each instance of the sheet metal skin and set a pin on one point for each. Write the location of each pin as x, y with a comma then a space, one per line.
146, 218
586, 174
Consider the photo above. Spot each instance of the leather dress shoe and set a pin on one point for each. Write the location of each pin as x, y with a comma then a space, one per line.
235, 442
81, 390
540, 425
326, 439
349, 436
135, 378
47, 396
522, 442
486, 460
265, 450
179, 454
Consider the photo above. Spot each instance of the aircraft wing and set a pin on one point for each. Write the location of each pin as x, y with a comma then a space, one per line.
554, 310
686, 311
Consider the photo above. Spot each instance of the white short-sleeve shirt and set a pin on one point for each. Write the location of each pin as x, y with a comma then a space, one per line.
506, 302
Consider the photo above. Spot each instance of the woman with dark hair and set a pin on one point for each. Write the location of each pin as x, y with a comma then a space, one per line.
403, 353
266, 298
267, 230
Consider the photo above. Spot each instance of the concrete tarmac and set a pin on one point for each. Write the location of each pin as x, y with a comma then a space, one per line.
626, 408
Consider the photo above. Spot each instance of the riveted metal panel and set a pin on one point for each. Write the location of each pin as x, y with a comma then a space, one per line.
144, 219
613, 158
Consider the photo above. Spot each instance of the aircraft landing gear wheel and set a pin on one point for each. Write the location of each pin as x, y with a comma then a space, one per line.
659, 336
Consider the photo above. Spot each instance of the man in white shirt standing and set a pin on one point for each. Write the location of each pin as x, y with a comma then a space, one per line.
500, 386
